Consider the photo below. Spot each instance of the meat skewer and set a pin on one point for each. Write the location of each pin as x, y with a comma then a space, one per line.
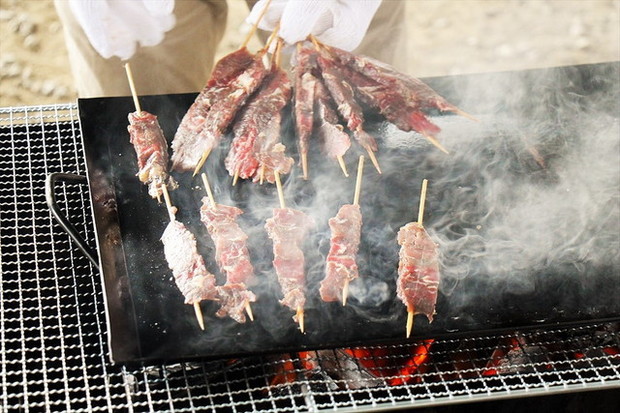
231, 254
150, 145
409, 87
256, 144
187, 265
304, 103
336, 141
399, 97
342, 93
233, 79
404, 114
418, 268
229, 99
287, 229
313, 100
341, 267
269, 148
187, 145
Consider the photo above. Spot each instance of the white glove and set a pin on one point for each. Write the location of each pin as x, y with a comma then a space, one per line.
339, 23
116, 27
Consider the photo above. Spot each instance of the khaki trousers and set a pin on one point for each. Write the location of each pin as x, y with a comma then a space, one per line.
182, 62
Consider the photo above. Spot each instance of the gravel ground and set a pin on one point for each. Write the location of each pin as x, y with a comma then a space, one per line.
446, 37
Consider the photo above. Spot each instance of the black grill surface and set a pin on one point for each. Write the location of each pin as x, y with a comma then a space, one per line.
54, 352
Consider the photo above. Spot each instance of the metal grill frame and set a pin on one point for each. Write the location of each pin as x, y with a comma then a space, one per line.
53, 338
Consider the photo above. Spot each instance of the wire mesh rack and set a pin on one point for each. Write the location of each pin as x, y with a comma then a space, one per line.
53, 336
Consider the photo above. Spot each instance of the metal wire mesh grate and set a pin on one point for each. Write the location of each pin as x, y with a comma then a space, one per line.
53, 332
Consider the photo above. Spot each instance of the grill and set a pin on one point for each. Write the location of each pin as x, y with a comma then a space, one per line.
54, 342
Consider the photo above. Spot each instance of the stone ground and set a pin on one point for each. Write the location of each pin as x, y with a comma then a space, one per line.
446, 37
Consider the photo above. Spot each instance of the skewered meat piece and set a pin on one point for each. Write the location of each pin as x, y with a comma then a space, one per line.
213, 114
257, 129
273, 160
188, 267
304, 96
288, 228
412, 90
231, 255
268, 147
226, 69
418, 270
152, 151
346, 230
342, 93
230, 66
336, 141
396, 109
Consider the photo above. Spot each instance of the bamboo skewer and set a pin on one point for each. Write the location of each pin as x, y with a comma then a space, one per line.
170, 208
343, 166
304, 155
300, 310
304, 165
278, 52
465, 114
410, 309
422, 202
272, 37
132, 86
436, 143
358, 181
300, 318
410, 314
261, 52
205, 182
136, 102
356, 201
371, 154
315, 42
202, 161
255, 26
279, 187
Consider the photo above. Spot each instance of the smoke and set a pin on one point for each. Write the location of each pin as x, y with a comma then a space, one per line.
531, 188
529, 193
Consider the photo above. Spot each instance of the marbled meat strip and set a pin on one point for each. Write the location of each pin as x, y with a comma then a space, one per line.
230, 66
287, 229
304, 96
418, 270
413, 90
185, 139
151, 148
231, 255
342, 94
336, 141
346, 230
225, 101
187, 265
261, 117
395, 107
268, 149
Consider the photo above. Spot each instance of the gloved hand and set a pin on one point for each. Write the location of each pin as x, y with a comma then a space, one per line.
116, 27
339, 23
